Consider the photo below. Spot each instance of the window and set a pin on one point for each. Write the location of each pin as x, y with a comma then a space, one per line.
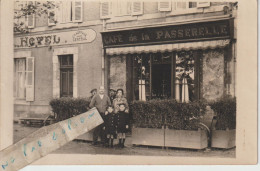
27, 20
66, 75
120, 8
184, 76
166, 75
24, 78
19, 78
66, 12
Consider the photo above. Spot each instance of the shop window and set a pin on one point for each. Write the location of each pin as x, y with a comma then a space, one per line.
66, 75
24, 78
184, 77
166, 75
66, 12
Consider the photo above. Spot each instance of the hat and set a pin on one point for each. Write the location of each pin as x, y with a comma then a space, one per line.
93, 90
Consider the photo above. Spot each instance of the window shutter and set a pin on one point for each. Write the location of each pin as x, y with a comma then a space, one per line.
77, 11
66, 11
105, 10
29, 79
203, 4
137, 8
51, 17
164, 5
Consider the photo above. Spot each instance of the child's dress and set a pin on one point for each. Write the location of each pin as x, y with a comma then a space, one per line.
122, 121
110, 124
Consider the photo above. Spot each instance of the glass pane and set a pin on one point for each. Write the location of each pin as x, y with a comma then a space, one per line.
184, 84
70, 60
64, 84
142, 77
70, 83
21, 85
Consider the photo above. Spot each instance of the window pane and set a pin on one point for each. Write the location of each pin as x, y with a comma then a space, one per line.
64, 84
21, 85
184, 84
19, 78
142, 77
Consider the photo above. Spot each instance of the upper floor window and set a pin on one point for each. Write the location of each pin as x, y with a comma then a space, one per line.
120, 8
24, 16
66, 12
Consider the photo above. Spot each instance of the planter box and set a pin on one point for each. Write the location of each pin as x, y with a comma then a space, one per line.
223, 138
186, 139
148, 136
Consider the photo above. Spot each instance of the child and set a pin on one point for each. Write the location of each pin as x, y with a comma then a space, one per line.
122, 124
110, 125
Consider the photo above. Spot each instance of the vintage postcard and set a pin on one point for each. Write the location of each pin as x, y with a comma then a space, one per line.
172, 82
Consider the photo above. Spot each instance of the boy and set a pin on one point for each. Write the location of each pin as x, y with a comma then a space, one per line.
122, 124
110, 125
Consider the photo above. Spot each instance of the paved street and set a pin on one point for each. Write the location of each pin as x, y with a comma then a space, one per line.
80, 147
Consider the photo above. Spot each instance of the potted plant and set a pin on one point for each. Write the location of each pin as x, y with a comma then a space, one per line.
148, 123
183, 127
223, 134
168, 123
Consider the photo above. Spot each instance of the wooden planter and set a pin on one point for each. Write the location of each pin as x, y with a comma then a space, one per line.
148, 136
186, 139
223, 138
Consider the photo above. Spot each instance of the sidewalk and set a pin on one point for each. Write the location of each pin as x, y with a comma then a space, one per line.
80, 147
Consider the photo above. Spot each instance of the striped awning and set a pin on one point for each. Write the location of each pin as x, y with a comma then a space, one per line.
169, 47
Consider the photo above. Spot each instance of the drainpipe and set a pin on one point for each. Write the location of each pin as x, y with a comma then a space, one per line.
103, 58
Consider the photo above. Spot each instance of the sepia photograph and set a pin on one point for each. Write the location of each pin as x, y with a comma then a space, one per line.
161, 76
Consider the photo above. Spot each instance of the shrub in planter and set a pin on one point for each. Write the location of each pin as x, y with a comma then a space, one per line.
151, 116
185, 116
168, 112
225, 110
67, 107
224, 133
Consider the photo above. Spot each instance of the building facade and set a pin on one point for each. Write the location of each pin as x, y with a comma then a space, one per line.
151, 49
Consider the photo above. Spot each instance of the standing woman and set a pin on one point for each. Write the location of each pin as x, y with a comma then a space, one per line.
119, 100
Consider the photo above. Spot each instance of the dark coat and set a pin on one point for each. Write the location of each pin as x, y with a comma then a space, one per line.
99, 103
122, 121
110, 123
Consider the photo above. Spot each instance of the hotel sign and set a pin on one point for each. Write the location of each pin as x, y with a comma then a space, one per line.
53, 39
170, 34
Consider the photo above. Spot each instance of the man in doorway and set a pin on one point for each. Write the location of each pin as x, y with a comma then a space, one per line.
100, 101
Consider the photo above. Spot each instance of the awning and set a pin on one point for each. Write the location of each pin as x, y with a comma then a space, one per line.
169, 47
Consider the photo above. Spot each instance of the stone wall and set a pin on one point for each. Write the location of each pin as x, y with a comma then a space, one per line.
213, 74
117, 74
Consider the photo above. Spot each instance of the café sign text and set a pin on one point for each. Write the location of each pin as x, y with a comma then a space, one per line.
166, 34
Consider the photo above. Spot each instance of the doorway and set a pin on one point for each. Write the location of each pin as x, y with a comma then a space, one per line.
161, 81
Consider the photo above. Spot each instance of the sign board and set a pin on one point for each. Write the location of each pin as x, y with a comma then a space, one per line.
52, 39
46, 140
169, 34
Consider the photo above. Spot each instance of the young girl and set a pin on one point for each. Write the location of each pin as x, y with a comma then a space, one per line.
122, 124
110, 125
